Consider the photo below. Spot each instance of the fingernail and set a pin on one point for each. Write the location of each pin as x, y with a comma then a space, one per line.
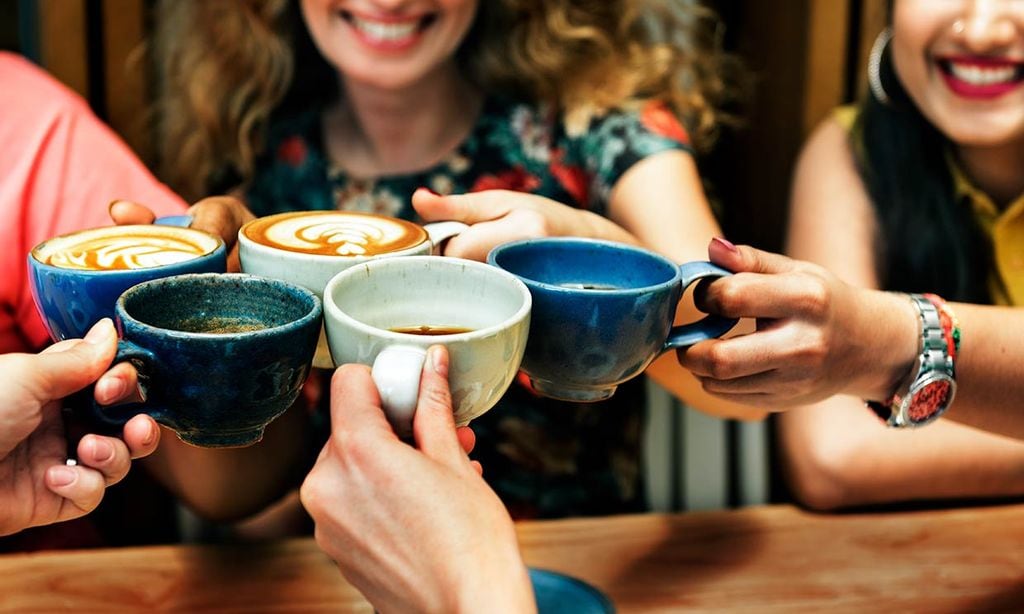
62, 475
102, 451
100, 332
436, 356
727, 244
110, 207
112, 389
429, 191
150, 438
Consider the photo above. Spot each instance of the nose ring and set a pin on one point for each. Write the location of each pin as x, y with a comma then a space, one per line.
958, 26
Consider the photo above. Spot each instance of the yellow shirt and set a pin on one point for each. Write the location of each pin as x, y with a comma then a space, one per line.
1005, 229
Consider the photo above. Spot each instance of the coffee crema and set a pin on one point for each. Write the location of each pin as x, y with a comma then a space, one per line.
105, 251
430, 331
335, 233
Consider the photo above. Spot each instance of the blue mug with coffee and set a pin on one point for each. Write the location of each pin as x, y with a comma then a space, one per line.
602, 311
76, 278
219, 356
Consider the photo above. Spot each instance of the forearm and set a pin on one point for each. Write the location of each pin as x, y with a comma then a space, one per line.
837, 454
229, 484
990, 369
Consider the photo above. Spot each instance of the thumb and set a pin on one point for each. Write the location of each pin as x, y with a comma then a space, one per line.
433, 425
467, 208
68, 367
746, 259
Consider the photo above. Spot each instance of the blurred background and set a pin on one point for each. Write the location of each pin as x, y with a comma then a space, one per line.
806, 56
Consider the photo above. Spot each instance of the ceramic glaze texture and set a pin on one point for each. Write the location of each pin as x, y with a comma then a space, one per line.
71, 300
364, 303
219, 356
602, 312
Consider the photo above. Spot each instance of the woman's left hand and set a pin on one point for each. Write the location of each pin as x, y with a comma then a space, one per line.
816, 335
499, 216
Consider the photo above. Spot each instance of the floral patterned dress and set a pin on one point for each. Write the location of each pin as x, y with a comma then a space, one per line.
544, 458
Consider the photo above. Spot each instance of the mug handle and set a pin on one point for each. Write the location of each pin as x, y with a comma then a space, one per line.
396, 372
115, 416
439, 232
183, 221
709, 327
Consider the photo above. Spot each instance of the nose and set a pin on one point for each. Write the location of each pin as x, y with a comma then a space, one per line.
987, 25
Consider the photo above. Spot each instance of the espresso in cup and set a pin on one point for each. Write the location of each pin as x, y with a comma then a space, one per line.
308, 248
76, 278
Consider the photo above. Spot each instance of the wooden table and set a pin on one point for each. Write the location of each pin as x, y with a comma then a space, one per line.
774, 558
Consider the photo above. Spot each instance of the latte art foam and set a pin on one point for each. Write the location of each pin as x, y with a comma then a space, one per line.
125, 252
336, 233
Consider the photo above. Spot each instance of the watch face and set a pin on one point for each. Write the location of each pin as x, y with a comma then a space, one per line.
930, 399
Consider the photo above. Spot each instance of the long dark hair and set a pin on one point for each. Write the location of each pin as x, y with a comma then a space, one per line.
928, 241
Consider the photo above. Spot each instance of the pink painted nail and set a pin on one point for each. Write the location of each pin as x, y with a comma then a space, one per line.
727, 244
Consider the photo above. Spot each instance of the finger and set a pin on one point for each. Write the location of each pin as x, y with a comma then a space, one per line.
433, 425
753, 295
124, 212
56, 374
355, 402
467, 438
746, 259
221, 216
467, 208
108, 455
120, 384
742, 356
142, 435
480, 238
80, 486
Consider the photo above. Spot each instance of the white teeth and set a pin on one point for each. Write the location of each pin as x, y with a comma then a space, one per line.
977, 75
389, 32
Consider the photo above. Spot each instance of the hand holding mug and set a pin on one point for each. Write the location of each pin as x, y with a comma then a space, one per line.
413, 527
37, 486
813, 336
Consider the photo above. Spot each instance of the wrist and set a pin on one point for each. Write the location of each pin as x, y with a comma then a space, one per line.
500, 584
892, 335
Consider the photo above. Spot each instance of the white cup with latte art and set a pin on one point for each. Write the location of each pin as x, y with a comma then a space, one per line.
308, 248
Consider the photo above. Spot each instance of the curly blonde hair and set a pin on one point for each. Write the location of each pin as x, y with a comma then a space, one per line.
224, 66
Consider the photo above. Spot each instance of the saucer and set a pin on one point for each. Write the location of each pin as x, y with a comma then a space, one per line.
558, 593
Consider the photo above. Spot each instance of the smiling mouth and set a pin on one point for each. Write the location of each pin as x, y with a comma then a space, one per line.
390, 31
982, 72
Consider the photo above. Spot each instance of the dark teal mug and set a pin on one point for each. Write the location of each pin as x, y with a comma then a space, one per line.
218, 356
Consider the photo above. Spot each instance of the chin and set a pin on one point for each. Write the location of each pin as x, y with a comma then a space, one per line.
986, 131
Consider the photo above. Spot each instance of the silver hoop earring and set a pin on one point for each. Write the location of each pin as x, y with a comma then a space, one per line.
875, 66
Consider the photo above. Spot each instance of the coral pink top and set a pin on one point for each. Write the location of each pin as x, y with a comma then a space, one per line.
60, 167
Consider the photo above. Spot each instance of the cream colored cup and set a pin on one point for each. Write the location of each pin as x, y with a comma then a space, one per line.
363, 306
311, 262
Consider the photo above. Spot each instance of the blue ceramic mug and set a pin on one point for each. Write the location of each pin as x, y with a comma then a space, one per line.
218, 356
76, 278
602, 312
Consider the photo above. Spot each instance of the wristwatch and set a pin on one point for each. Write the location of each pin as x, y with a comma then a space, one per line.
929, 388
